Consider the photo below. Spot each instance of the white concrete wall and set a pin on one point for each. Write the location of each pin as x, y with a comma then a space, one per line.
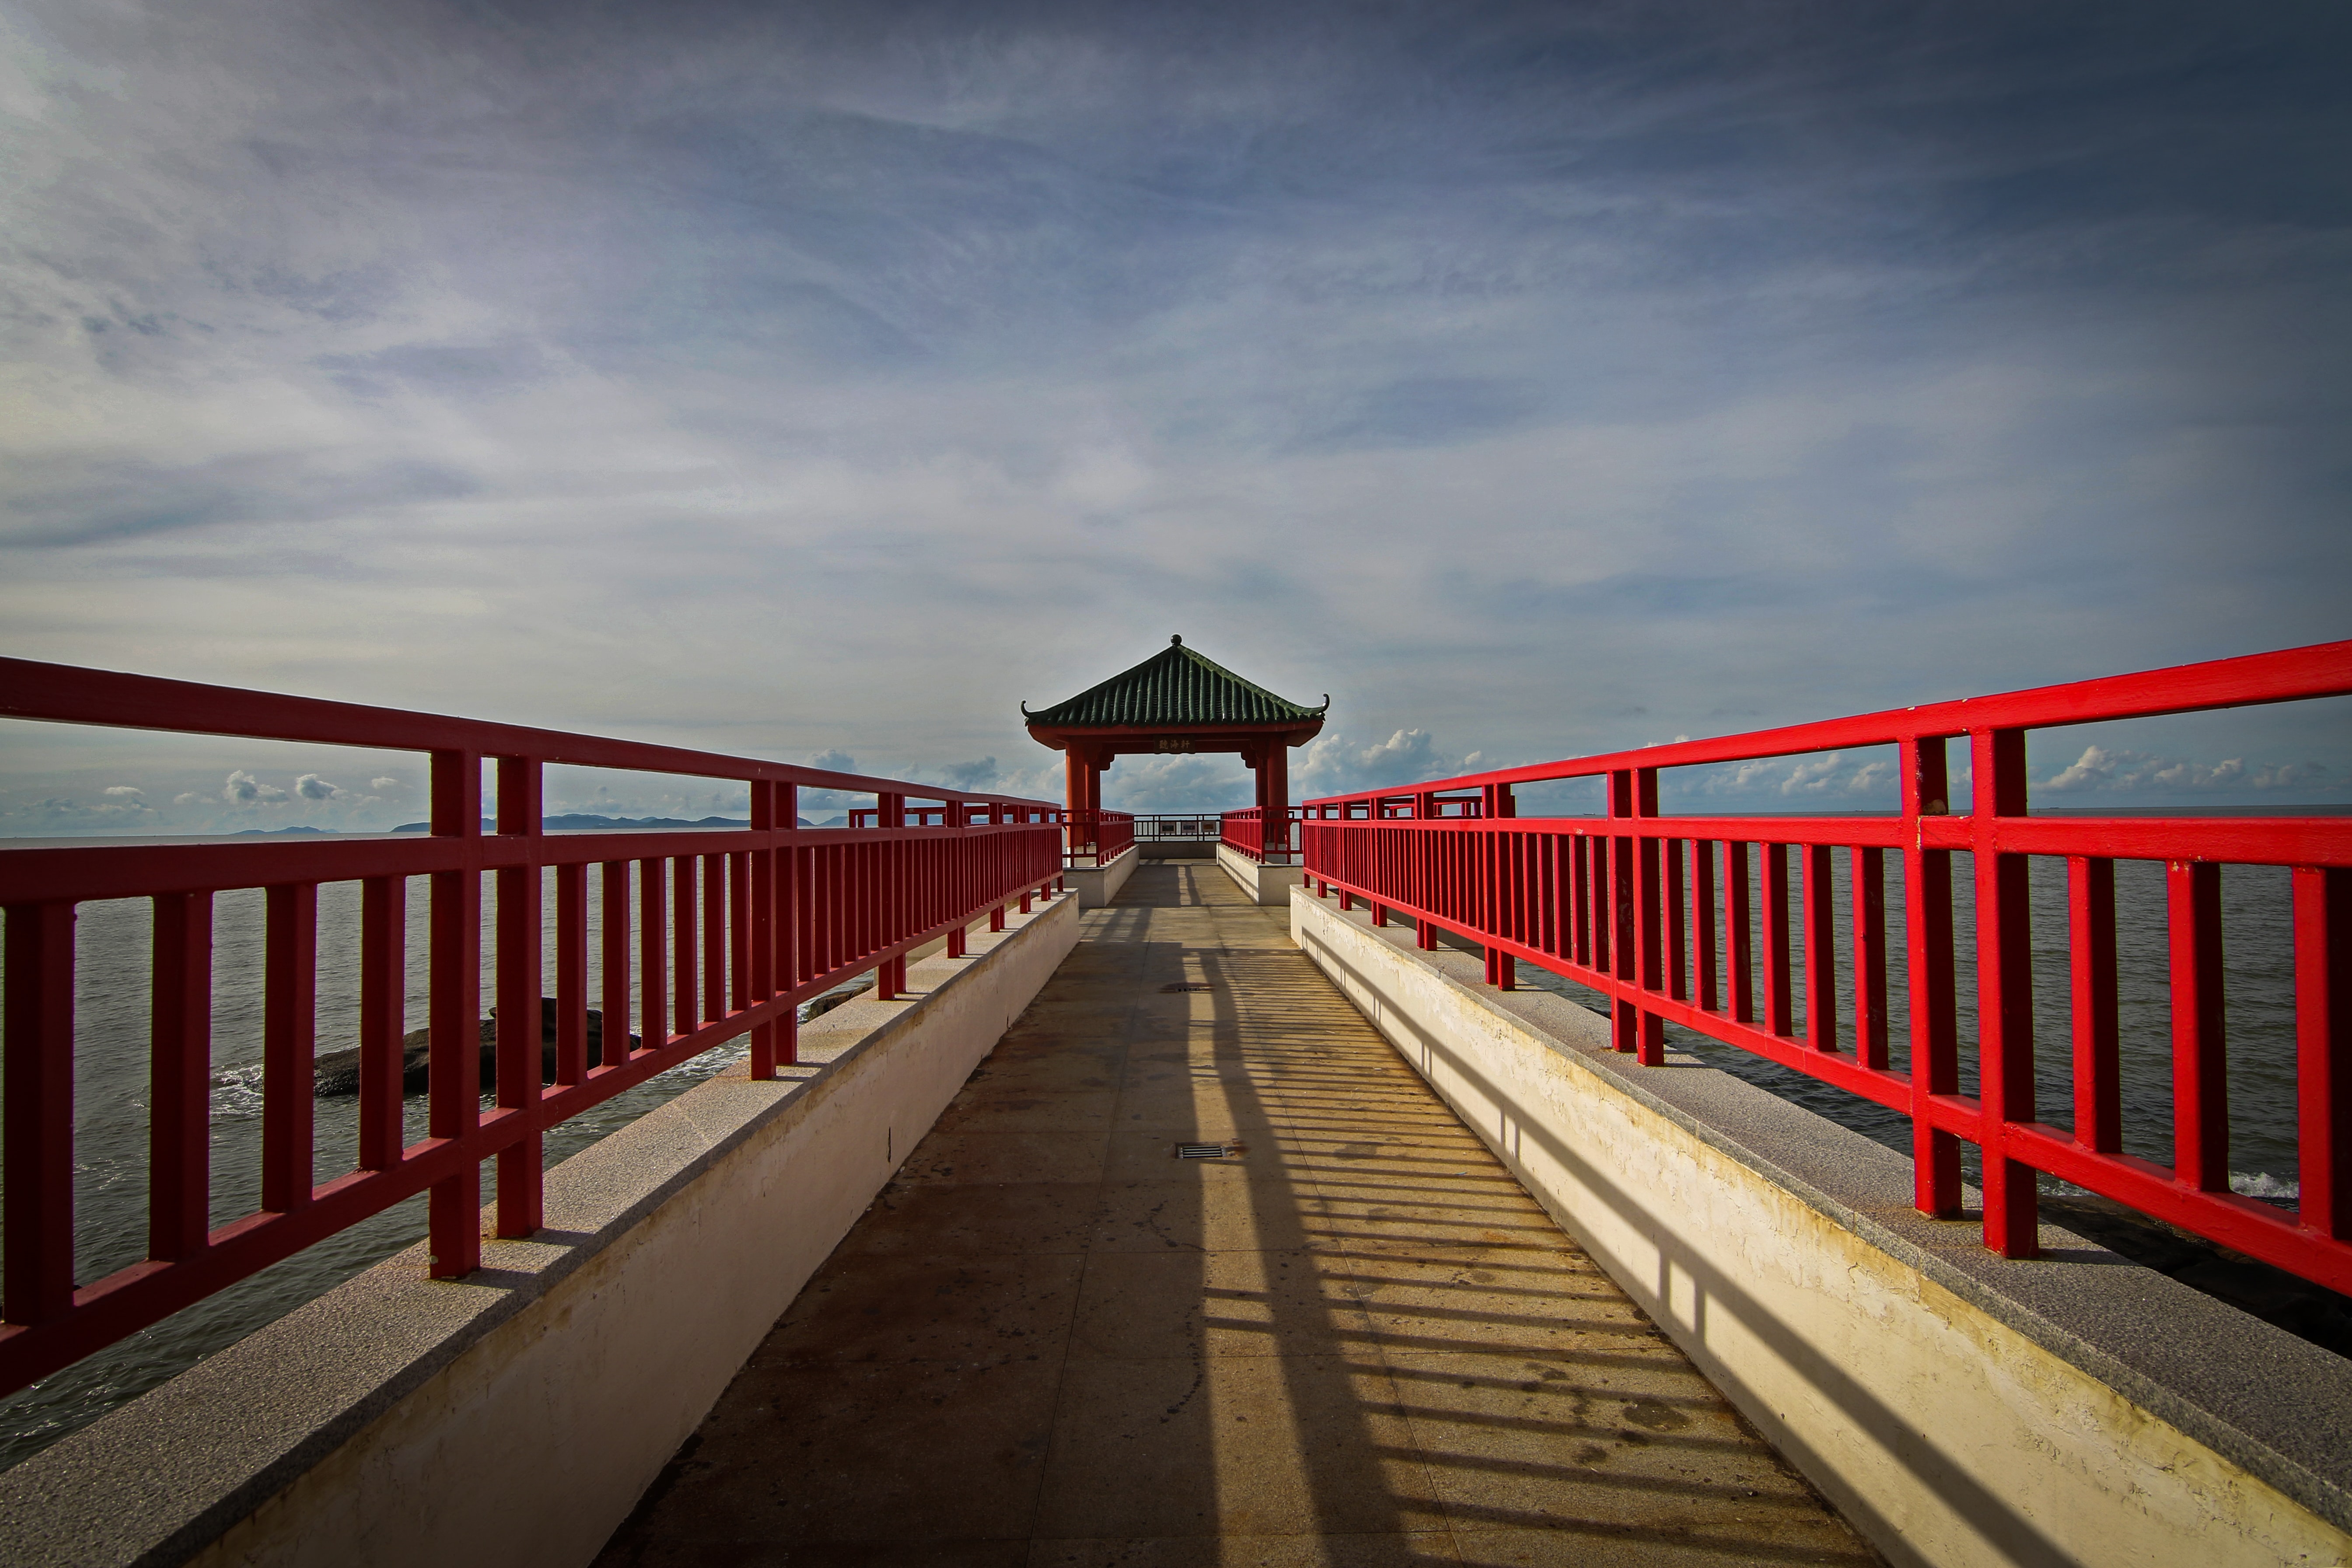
1942, 1430
515, 1417
1264, 884
1096, 886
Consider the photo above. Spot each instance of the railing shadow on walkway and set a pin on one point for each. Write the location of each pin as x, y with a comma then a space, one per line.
1501, 1418
2004, 1529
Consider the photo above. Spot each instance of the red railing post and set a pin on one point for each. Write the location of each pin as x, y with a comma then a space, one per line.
759, 924
289, 1045
570, 972
453, 1076
1934, 989
36, 1199
1710, 999
2323, 970
2098, 1089
890, 974
1651, 1047
383, 1018
1678, 936
742, 919
1582, 898
1821, 950
1870, 1023
612, 918
1780, 1007
1500, 892
1739, 930
653, 954
791, 917
519, 1023
1624, 1014
2004, 991
180, 1077
685, 918
2200, 1106
718, 935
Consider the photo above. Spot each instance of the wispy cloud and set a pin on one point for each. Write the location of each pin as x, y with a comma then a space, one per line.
2100, 770
774, 378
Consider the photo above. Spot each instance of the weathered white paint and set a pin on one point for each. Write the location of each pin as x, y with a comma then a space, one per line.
516, 1416
1264, 884
1946, 1433
1096, 886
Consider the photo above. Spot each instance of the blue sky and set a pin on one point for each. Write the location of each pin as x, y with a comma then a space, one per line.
1536, 379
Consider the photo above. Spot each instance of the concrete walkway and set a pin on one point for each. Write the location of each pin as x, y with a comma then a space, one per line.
1355, 1341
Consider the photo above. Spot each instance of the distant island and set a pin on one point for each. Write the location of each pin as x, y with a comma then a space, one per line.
571, 822
575, 822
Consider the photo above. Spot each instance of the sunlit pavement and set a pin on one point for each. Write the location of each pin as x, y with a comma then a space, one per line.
1355, 1341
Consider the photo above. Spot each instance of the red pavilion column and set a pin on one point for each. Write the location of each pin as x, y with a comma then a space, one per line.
1082, 789
1274, 786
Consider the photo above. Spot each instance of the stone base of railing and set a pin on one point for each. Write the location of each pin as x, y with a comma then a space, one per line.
1264, 884
516, 1415
1958, 1407
1098, 885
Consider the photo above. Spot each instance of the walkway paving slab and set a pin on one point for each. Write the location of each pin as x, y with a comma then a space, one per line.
1353, 1342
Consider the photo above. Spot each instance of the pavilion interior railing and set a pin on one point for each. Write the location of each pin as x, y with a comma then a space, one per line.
705, 936
1688, 920
1163, 828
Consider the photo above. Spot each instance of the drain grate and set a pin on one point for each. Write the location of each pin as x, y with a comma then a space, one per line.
1208, 1151
1186, 986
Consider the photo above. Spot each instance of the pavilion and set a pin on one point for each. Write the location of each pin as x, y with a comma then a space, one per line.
1176, 701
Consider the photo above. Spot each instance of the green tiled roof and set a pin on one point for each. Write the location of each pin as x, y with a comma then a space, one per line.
1174, 685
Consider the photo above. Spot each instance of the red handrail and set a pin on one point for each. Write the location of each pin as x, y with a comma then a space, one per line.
1611, 906
1245, 831
733, 929
1098, 837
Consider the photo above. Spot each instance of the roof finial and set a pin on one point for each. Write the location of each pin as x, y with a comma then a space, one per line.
1176, 640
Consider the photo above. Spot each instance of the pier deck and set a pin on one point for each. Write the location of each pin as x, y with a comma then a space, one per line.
1355, 1341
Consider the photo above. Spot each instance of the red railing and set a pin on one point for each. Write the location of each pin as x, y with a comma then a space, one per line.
733, 929
1246, 831
1633, 907
1098, 837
